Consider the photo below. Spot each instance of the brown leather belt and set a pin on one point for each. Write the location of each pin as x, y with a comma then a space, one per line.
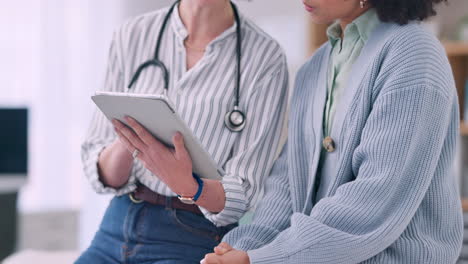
143, 193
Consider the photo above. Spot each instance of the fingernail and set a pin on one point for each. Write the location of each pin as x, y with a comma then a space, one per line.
202, 261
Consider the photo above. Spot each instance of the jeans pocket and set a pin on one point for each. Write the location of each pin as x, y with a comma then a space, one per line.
196, 224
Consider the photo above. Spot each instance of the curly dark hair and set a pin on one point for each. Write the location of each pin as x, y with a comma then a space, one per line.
404, 11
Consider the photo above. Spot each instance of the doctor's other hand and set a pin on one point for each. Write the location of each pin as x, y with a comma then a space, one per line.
115, 164
173, 166
230, 257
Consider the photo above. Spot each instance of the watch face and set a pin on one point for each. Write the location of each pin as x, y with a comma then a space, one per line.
186, 200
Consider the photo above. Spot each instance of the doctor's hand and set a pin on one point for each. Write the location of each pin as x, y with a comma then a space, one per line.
172, 166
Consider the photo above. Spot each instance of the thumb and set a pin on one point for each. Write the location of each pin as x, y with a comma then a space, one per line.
179, 145
222, 248
225, 245
220, 251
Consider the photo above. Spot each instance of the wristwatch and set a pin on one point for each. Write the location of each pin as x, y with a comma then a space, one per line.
194, 199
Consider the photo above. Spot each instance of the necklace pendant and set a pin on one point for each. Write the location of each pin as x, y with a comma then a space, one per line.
329, 144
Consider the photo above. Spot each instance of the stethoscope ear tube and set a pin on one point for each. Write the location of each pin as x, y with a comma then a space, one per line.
239, 54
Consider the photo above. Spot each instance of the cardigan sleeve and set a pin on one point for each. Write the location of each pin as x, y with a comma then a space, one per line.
273, 213
401, 146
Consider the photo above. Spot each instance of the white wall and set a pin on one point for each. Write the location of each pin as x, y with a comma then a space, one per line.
19, 62
19, 27
54, 52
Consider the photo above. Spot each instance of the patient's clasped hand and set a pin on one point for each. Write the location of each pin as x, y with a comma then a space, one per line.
225, 254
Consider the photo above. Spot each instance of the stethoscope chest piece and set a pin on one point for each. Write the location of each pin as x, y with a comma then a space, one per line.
235, 120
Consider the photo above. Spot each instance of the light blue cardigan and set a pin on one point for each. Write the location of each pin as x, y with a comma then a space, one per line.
388, 193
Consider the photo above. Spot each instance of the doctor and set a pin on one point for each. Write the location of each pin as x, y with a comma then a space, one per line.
367, 175
229, 82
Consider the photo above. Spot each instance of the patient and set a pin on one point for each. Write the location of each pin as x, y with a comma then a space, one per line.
367, 173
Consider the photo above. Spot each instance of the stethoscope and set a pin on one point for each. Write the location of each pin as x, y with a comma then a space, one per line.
235, 119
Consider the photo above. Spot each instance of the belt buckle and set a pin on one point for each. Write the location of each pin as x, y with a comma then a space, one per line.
133, 199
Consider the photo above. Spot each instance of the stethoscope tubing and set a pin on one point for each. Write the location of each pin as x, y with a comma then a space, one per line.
235, 119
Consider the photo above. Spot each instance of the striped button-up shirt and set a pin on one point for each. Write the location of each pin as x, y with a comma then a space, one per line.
202, 96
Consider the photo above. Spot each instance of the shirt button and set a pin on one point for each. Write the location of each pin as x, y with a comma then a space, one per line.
329, 144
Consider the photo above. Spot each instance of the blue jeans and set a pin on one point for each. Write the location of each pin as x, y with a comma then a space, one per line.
151, 234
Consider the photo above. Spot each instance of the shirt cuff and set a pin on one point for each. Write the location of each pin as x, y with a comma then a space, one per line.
98, 185
235, 206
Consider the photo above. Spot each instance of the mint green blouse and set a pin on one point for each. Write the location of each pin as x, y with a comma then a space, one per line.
344, 53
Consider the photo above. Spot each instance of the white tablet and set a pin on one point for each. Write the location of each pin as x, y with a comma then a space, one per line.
157, 114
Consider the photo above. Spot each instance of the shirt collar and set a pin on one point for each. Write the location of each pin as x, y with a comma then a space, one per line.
362, 26
366, 23
334, 33
177, 24
181, 31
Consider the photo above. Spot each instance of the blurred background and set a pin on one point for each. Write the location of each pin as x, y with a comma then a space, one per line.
53, 57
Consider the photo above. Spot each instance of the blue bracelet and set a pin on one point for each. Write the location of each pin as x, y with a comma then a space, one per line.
200, 187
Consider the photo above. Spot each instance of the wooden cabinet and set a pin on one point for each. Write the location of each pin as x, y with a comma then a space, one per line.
458, 56
464, 129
